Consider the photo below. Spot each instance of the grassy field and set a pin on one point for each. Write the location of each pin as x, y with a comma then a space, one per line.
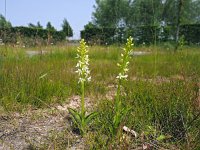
162, 92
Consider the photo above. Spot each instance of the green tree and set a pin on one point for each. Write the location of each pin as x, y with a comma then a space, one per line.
31, 25
127, 13
177, 12
110, 13
196, 11
146, 12
66, 28
130, 13
39, 26
50, 27
4, 23
178, 22
188, 12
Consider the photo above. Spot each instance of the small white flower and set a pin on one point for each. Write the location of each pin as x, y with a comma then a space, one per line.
77, 56
126, 69
120, 76
81, 80
79, 71
89, 79
77, 65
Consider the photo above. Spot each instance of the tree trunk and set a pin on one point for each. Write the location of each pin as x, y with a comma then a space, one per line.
179, 8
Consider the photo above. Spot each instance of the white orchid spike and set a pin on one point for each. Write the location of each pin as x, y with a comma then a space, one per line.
125, 58
83, 62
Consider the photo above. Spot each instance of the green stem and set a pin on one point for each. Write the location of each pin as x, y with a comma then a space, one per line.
118, 101
83, 99
83, 107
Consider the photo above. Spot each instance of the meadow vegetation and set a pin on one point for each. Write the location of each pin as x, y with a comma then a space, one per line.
161, 93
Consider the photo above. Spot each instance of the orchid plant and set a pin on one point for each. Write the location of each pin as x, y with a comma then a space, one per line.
119, 111
80, 119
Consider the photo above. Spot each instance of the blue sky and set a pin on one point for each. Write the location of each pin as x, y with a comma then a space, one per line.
22, 12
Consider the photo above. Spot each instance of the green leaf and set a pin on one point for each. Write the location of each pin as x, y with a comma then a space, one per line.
76, 116
161, 137
90, 117
125, 111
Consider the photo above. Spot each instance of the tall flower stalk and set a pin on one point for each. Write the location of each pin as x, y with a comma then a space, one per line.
83, 70
80, 119
123, 67
119, 111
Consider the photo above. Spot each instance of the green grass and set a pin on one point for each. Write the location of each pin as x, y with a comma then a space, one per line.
168, 105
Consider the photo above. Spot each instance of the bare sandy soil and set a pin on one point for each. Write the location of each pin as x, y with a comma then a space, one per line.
36, 127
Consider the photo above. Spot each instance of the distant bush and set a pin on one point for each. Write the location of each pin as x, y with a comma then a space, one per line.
191, 33
23, 34
95, 35
141, 34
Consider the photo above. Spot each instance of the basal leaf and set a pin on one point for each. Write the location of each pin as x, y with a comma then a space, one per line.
90, 117
76, 117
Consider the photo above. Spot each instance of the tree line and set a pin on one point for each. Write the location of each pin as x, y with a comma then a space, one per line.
133, 14
9, 34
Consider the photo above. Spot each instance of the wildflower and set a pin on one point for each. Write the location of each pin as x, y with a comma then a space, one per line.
83, 63
125, 57
120, 111
120, 76
80, 118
